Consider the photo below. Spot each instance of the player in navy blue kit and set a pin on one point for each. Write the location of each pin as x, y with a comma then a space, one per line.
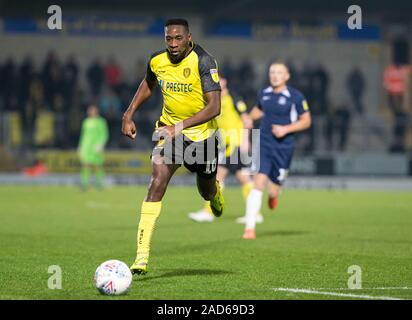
283, 110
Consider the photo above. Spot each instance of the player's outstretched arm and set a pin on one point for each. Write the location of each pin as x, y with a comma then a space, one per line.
144, 91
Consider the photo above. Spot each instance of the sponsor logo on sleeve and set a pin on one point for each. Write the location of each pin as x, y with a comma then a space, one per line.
214, 74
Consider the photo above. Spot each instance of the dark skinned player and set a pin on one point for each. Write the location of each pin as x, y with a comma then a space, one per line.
186, 131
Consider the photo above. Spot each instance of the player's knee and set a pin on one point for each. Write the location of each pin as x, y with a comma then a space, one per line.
156, 189
258, 185
158, 183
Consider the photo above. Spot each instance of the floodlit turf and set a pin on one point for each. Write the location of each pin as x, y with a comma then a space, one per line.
308, 243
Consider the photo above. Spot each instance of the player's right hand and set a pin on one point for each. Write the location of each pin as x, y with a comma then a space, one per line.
129, 128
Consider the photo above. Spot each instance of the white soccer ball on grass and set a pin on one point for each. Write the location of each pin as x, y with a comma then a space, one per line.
113, 277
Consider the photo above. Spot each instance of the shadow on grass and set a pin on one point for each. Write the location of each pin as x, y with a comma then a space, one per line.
183, 272
229, 244
281, 233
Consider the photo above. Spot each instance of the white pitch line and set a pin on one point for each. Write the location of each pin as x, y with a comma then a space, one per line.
365, 289
337, 294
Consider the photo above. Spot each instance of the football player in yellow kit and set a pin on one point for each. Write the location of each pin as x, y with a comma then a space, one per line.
188, 78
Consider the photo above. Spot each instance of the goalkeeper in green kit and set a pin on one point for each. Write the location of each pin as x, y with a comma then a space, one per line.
93, 138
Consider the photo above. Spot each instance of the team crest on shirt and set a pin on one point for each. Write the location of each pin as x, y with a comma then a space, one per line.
186, 72
214, 74
282, 101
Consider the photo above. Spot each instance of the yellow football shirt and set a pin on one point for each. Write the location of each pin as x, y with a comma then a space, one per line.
183, 86
230, 123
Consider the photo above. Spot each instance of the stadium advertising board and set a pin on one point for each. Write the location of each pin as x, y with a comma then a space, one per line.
288, 30
78, 25
115, 162
101, 25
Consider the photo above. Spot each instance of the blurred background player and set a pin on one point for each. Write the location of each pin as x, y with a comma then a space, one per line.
189, 81
283, 111
235, 138
93, 138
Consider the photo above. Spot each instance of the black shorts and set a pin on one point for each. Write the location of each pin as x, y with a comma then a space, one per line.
232, 163
199, 157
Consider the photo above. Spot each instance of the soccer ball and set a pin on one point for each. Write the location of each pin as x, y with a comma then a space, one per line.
113, 277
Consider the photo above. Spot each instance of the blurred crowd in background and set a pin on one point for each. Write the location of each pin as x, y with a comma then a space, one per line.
55, 87
62, 88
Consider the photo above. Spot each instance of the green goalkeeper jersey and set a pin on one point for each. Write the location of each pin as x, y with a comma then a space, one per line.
93, 137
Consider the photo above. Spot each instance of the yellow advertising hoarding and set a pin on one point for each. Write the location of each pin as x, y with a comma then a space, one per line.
116, 162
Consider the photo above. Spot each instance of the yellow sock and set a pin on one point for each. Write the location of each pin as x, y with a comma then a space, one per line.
207, 207
246, 188
149, 213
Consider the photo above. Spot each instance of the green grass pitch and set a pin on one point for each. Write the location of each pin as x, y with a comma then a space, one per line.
309, 242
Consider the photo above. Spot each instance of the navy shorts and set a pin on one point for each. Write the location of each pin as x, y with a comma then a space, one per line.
275, 163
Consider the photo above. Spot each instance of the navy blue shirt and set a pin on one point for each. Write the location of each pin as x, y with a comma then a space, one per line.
279, 108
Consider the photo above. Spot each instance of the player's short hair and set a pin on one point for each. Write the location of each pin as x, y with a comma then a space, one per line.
178, 22
281, 62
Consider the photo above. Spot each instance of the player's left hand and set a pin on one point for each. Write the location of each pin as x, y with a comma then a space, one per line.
279, 131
